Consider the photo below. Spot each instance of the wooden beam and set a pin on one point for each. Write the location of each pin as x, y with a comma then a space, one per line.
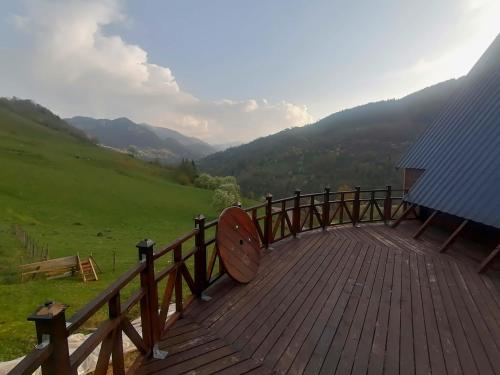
425, 224
489, 259
403, 216
453, 237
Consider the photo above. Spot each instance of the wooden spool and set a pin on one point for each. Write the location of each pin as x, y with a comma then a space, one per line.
238, 244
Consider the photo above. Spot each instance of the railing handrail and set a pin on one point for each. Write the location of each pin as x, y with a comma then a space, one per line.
172, 245
278, 222
81, 316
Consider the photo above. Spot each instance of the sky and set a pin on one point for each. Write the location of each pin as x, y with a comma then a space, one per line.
229, 70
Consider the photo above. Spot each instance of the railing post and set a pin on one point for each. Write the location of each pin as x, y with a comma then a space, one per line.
149, 305
200, 257
178, 279
326, 208
296, 213
356, 206
114, 310
50, 323
268, 221
388, 204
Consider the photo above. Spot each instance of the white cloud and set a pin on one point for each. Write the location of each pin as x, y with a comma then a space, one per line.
71, 65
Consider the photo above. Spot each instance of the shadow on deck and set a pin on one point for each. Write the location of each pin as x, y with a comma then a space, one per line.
367, 300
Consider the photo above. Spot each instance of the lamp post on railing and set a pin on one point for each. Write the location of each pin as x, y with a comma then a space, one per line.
50, 323
296, 214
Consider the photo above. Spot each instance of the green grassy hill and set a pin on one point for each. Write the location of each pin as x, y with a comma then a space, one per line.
75, 197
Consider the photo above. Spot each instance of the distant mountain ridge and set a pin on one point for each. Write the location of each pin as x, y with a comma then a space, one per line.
193, 144
357, 146
151, 142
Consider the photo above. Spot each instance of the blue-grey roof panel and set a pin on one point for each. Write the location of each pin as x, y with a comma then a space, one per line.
460, 151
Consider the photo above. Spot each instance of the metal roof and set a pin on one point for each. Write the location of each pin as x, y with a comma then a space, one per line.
460, 151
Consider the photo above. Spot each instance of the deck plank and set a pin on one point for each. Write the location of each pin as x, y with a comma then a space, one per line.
407, 359
245, 321
295, 332
236, 310
475, 340
267, 314
360, 324
420, 342
293, 315
459, 337
299, 351
362, 355
368, 300
315, 357
333, 339
394, 329
426, 327
378, 347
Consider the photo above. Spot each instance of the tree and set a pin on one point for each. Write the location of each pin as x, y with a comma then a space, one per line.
223, 198
185, 172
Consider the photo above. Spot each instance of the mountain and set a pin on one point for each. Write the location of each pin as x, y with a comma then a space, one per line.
358, 146
194, 144
148, 141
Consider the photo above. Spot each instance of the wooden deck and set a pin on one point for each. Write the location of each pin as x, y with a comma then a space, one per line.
367, 300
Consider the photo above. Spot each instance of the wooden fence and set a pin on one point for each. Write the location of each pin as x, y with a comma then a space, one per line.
34, 249
159, 286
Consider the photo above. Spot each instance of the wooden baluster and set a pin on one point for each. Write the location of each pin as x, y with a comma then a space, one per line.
326, 208
356, 206
268, 221
114, 308
149, 303
257, 224
296, 214
178, 280
388, 204
50, 323
200, 257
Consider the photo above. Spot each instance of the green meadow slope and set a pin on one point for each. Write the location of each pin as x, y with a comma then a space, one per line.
76, 197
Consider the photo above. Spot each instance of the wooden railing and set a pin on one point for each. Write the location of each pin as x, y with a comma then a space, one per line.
158, 283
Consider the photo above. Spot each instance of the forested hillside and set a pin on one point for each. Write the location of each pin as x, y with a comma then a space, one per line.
358, 146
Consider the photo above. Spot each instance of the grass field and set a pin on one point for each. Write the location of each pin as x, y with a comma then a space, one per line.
76, 197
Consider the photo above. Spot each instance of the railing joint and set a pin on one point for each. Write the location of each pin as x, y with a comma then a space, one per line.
44, 343
205, 297
159, 354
